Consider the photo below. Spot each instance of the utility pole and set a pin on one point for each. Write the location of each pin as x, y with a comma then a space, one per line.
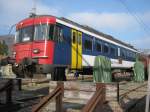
34, 7
33, 11
148, 88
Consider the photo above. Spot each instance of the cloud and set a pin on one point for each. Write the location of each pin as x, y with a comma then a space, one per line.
112, 21
121, 25
15, 10
142, 42
43, 9
146, 17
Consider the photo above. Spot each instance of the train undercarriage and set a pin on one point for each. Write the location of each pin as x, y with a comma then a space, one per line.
28, 67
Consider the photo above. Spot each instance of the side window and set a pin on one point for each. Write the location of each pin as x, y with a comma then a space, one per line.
58, 34
88, 45
123, 53
134, 55
98, 47
51, 32
106, 49
112, 51
129, 54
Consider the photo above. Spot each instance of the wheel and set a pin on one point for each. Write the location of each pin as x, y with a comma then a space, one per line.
23, 72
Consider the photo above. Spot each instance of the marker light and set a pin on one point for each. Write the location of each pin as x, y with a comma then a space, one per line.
36, 51
14, 54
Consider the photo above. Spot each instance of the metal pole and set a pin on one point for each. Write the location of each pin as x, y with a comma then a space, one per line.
148, 88
19, 81
34, 7
59, 97
118, 92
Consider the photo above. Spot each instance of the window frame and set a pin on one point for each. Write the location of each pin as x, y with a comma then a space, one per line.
91, 46
115, 51
20, 35
46, 36
57, 38
100, 43
106, 45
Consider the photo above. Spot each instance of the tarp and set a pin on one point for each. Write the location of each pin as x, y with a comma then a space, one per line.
102, 69
139, 75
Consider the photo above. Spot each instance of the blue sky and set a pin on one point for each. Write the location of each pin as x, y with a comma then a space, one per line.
114, 17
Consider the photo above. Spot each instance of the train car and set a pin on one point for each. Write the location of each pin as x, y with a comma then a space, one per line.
47, 44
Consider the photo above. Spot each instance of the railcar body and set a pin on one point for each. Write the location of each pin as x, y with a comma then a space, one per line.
47, 44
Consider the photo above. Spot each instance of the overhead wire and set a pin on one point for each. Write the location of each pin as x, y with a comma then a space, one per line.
142, 24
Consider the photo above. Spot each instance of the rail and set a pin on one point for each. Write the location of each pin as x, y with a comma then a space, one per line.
124, 94
97, 99
8, 89
56, 94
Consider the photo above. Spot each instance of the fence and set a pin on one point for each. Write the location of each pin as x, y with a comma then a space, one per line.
95, 97
73, 91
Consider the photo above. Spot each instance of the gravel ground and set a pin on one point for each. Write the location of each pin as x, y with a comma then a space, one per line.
140, 106
32, 93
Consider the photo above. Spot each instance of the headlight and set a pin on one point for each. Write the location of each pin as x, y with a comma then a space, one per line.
14, 53
36, 51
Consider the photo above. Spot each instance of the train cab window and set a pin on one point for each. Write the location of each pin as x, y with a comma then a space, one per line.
25, 34
88, 45
58, 35
41, 32
106, 49
98, 47
17, 36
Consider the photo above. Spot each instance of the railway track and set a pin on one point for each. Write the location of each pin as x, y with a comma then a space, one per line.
132, 95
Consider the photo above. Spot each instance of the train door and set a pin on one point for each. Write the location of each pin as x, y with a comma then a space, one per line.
76, 61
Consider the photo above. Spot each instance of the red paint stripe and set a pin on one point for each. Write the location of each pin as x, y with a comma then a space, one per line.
49, 51
35, 21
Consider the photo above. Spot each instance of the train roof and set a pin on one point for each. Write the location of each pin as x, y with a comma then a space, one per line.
90, 29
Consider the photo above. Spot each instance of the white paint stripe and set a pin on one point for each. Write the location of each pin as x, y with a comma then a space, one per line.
88, 60
92, 34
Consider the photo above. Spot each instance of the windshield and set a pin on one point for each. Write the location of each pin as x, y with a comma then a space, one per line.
38, 32
24, 34
41, 32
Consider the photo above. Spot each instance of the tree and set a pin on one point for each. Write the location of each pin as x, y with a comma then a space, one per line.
3, 48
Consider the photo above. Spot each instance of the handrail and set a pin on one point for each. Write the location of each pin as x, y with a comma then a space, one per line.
55, 94
97, 98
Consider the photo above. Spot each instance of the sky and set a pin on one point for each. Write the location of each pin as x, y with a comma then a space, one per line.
126, 20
